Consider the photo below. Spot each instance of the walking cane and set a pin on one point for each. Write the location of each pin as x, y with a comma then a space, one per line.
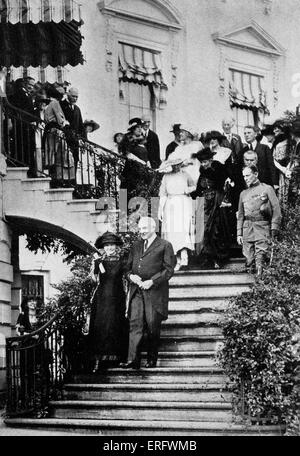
272, 254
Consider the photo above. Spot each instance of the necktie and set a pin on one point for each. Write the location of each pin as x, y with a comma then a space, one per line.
250, 147
145, 245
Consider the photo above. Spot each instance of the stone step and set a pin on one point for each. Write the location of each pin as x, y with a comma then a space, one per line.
36, 184
185, 359
177, 305
236, 264
122, 410
59, 194
186, 343
194, 317
145, 428
208, 278
139, 392
191, 329
159, 375
86, 205
208, 291
18, 173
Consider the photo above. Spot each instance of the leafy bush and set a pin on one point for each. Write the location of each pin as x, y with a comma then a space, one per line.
260, 330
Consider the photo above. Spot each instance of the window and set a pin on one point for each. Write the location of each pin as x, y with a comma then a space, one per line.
136, 100
247, 99
242, 118
141, 85
33, 288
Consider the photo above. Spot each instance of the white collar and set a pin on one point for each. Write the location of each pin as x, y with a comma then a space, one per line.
254, 144
151, 240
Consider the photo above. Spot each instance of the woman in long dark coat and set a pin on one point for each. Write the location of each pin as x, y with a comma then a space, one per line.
108, 326
135, 176
213, 249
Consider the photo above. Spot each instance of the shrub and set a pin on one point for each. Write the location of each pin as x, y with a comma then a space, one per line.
260, 328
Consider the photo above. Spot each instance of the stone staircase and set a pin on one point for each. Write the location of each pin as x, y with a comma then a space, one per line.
187, 394
32, 202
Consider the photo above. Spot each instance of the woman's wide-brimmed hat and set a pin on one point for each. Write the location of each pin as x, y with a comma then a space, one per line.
167, 165
267, 130
95, 126
107, 238
295, 129
214, 135
204, 154
135, 122
282, 125
41, 98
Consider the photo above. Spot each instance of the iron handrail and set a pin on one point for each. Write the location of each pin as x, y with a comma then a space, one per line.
37, 364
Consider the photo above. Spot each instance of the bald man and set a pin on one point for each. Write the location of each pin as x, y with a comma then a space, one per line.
73, 116
150, 266
232, 141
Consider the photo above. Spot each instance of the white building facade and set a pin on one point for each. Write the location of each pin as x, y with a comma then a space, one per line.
188, 61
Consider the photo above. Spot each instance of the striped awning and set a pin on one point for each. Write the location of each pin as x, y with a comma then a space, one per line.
143, 66
40, 33
25, 11
40, 74
247, 90
140, 64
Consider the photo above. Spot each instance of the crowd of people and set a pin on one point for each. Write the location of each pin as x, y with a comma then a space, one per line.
209, 169
47, 130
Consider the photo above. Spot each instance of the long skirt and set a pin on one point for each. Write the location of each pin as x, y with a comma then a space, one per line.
58, 157
108, 327
217, 228
177, 222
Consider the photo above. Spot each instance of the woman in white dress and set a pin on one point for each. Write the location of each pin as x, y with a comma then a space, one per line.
186, 151
87, 161
176, 209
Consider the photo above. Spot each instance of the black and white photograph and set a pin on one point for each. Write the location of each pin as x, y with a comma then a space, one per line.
150, 221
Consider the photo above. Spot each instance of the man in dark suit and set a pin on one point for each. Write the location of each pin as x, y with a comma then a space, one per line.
24, 125
267, 172
174, 144
232, 141
150, 266
75, 130
152, 143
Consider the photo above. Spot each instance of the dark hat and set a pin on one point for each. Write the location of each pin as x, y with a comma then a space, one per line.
282, 125
175, 128
107, 238
213, 134
267, 130
133, 125
136, 120
92, 123
204, 154
296, 128
41, 98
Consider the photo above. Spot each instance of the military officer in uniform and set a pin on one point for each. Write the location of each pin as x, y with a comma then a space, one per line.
259, 218
150, 266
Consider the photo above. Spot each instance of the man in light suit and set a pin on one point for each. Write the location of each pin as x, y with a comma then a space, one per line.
150, 267
152, 143
76, 129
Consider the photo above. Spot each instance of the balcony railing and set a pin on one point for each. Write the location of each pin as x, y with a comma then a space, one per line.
70, 160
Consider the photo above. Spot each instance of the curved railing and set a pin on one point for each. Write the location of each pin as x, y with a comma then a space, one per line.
37, 365
70, 160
